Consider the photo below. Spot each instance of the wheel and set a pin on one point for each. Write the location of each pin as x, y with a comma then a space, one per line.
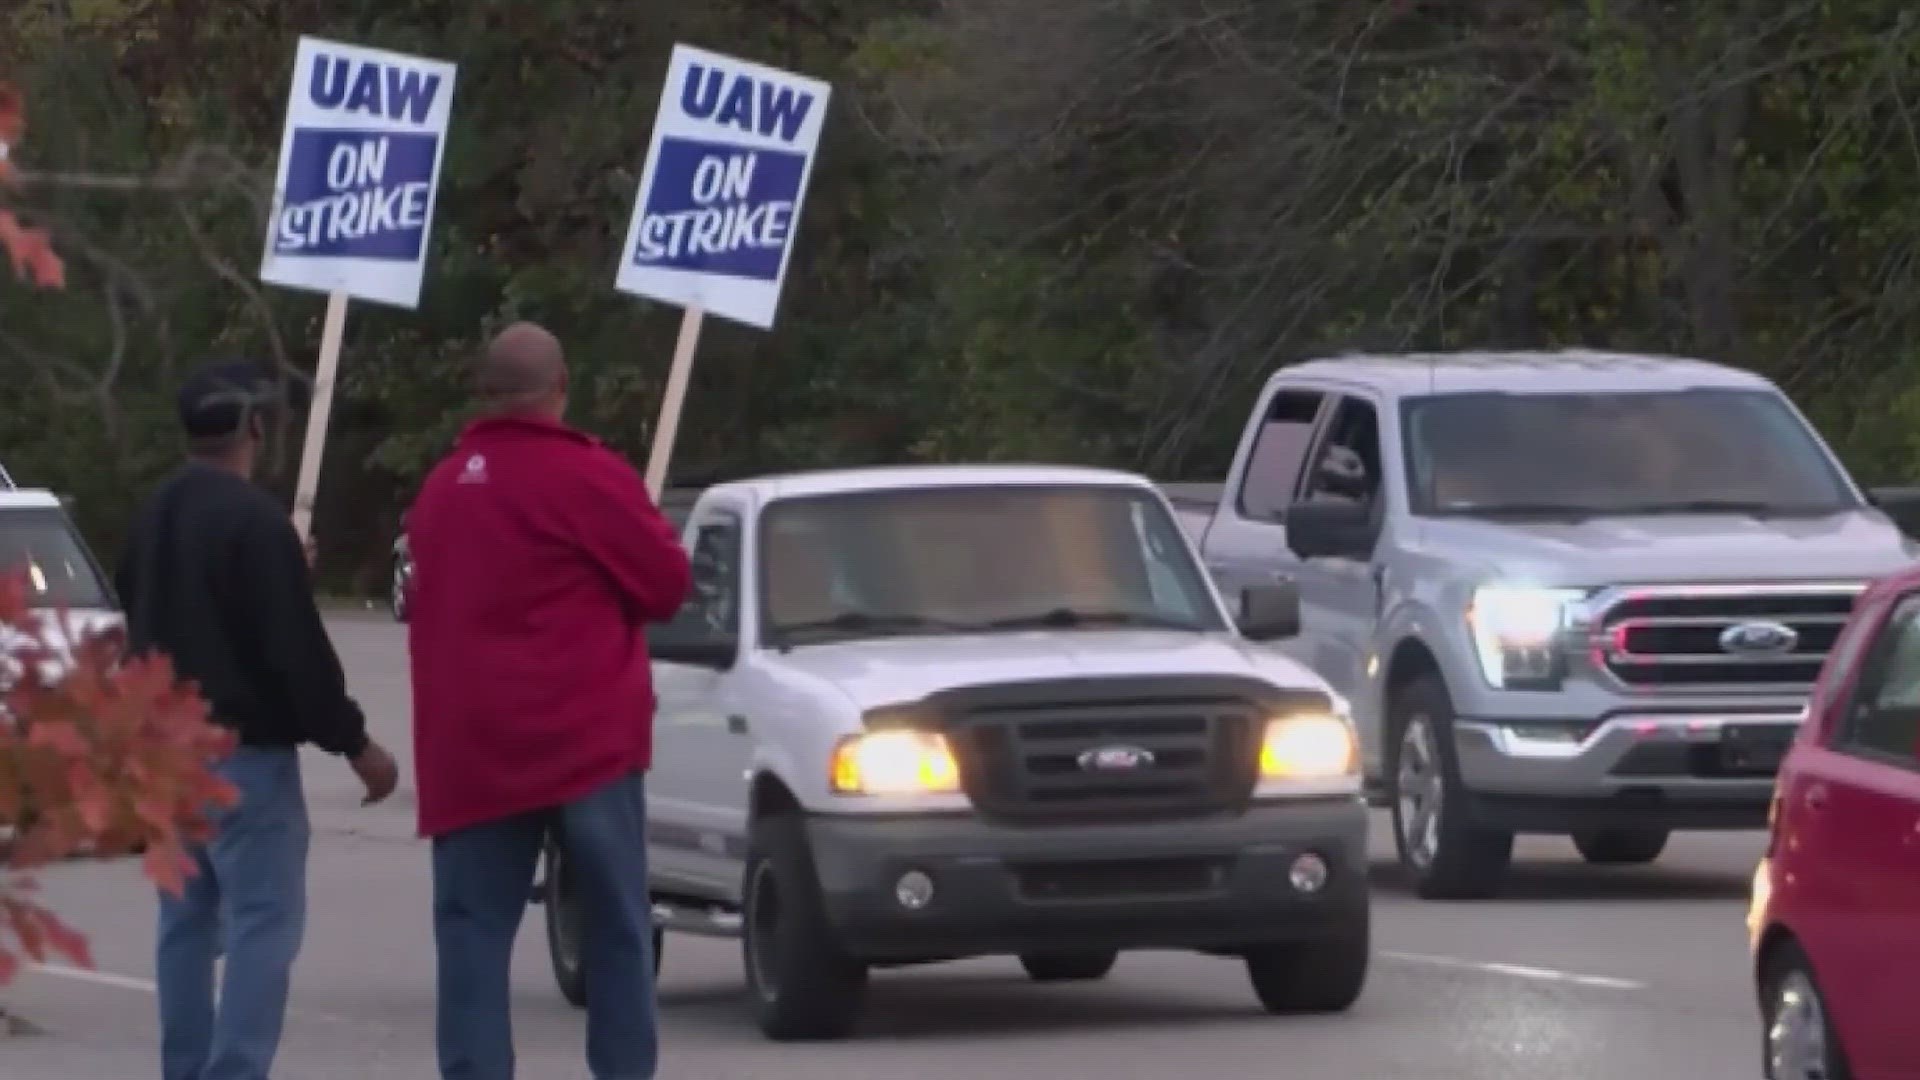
1621, 847
398, 599
1800, 1043
804, 985
1313, 976
1447, 858
1068, 966
562, 904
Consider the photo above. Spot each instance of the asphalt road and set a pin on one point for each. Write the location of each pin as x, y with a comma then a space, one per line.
1578, 973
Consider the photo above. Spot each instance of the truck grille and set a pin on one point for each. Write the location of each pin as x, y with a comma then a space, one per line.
1720, 638
1065, 760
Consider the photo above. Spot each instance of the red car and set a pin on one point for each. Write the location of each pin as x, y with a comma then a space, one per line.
1835, 920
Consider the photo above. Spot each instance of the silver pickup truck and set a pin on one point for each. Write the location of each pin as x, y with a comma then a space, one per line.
1569, 593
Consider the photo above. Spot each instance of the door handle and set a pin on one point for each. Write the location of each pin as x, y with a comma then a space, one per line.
1816, 797
737, 724
1280, 577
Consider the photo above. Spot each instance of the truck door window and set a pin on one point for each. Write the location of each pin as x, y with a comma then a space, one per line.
1347, 468
1885, 720
1273, 468
712, 609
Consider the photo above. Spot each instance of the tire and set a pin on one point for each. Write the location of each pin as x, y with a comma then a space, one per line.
1325, 976
1446, 858
804, 985
1798, 1041
562, 905
398, 598
562, 908
1621, 847
1068, 966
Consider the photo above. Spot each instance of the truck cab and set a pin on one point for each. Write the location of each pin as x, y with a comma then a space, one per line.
1572, 593
926, 713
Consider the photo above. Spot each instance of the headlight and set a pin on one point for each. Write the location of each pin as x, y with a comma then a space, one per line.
894, 762
1516, 633
1311, 747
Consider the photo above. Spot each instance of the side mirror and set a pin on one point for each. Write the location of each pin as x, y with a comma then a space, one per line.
705, 652
1330, 530
1269, 612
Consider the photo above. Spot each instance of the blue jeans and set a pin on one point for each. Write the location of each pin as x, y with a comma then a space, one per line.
482, 879
251, 889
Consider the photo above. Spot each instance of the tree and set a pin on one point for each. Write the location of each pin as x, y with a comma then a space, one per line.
99, 756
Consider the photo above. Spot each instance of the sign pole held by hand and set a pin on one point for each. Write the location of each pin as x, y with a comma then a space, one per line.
332, 333
673, 400
713, 223
353, 200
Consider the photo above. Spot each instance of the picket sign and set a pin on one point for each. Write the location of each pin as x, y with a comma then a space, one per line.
719, 201
353, 201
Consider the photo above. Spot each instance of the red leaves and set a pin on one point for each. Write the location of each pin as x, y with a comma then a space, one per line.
30, 250
99, 757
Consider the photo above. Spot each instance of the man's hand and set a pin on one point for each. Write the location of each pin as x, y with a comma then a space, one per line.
377, 770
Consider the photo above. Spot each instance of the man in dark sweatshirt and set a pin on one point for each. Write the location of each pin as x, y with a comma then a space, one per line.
215, 578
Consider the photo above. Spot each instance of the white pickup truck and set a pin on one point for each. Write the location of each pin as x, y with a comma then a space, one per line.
926, 713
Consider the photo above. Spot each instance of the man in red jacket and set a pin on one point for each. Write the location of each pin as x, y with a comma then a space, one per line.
538, 560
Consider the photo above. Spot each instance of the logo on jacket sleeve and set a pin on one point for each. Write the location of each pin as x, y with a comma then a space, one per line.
476, 470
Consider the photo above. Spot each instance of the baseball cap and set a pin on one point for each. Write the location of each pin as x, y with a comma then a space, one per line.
216, 400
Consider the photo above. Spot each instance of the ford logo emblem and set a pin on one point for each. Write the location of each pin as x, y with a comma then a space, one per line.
1759, 638
1115, 759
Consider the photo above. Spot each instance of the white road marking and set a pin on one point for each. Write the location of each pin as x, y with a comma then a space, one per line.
1518, 971
98, 978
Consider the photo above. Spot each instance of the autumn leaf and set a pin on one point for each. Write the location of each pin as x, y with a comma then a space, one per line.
99, 757
30, 250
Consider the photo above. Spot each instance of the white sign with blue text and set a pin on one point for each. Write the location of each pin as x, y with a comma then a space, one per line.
719, 202
359, 163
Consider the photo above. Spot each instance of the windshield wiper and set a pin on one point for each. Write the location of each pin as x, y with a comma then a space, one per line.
1751, 507
875, 622
1067, 618
1575, 511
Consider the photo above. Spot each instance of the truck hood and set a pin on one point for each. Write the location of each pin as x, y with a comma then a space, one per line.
1854, 545
884, 671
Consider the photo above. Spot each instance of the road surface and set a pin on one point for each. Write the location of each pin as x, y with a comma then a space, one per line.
1577, 973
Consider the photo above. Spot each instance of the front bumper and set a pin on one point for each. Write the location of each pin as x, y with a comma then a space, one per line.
1210, 884
1707, 770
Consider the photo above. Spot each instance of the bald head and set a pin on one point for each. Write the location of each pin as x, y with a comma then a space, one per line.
523, 369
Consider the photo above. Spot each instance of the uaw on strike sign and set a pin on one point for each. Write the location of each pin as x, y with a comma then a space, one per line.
359, 163
733, 146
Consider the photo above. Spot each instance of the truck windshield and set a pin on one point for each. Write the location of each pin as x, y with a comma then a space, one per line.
1683, 451
973, 560
39, 543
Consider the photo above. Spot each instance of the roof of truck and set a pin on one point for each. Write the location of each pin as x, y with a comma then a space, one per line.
16, 498
1566, 370
897, 477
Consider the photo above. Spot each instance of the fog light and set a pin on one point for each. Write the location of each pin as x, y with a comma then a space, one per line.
1308, 873
914, 890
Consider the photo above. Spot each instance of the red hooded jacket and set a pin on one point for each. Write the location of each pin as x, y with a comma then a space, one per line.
538, 559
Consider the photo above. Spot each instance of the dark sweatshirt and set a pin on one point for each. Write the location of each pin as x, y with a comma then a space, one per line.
214, 578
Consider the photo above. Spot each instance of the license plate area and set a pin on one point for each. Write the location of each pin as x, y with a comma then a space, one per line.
1755, 749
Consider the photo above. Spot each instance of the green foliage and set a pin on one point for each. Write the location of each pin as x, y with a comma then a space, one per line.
1080, 230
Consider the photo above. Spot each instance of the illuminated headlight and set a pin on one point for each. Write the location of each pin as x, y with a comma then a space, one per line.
1517, 633
894, 762
1316, 746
